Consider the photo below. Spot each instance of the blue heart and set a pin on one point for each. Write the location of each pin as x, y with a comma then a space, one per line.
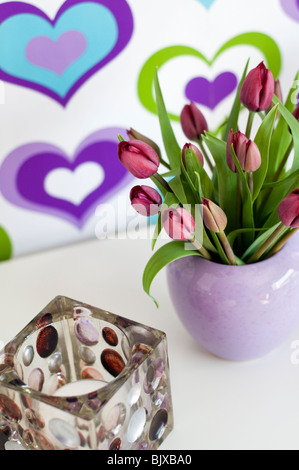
206, 3
97, 22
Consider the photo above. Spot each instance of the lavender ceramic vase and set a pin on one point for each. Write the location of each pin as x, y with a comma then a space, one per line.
238, 313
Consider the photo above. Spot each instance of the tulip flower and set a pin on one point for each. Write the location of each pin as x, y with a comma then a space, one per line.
193, 122
195, 150
247, 152
258, 89
216, 221
288, 210
145, 200
178, 223
213, 216
139, 158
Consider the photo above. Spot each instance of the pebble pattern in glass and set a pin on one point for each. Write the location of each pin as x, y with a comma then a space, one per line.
69, 342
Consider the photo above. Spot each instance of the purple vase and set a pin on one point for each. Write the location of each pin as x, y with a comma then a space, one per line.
238, 313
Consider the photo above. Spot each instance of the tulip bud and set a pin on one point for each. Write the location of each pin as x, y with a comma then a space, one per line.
288, 210
278, 90
145, 200
213, 216
135, 135
138, 158
258, 89
193, 122
195, 150
247, 152
178, 223
277, 93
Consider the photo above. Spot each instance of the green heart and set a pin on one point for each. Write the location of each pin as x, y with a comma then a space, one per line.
260, 41
5, 246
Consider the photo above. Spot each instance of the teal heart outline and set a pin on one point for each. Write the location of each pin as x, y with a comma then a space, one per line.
72, 19
259, 41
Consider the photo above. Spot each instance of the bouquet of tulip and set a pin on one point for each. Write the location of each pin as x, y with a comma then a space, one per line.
245, 207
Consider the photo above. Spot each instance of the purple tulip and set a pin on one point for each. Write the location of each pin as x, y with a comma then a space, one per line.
138, 158
213, 216
145, 200
288, 210
247, 152
178, 223
193, 122
195, 150
258, 89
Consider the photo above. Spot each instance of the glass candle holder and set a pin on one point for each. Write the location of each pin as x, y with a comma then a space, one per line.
78, 377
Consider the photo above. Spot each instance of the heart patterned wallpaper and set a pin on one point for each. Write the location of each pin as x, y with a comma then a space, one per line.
74, 74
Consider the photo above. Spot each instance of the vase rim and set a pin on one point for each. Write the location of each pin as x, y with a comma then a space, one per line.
258, 263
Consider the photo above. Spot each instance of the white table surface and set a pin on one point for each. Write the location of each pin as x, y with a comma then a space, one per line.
217, 404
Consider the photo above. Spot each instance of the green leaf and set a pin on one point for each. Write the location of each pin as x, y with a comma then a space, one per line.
290, 180
263, 140
164, 256
294, 126
160, 186
193, 166
5, 246
171, 173
234, 235
226, 180
195, 197
177, 187
198, 186
220, 249
270, 205
240, 262
169, 201
233, 119
172, 148
157, 231
120, 138
256, 245
247, 205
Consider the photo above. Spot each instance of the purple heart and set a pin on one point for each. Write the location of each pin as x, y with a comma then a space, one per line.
19, 17
24, 172
291, 7
58, 55
210, 94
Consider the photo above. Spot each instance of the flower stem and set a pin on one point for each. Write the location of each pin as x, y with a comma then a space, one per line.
257, 256
249, 124
282, 243
284, 161
162, 182
164, 163
227, 248
201, 249
250, 182
239, 210
207, 158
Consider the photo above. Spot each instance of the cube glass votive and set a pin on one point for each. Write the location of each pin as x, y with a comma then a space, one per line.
80, 378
